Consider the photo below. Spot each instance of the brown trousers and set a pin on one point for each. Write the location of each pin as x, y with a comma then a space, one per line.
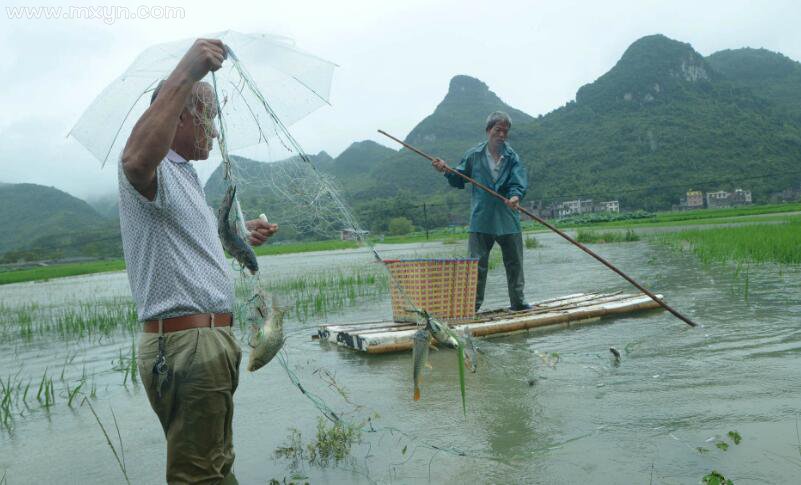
196, 405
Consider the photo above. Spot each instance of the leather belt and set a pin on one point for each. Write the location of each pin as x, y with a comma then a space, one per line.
186, 322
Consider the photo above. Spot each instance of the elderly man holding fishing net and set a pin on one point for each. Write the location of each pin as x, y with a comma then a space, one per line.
494, 164
188, 356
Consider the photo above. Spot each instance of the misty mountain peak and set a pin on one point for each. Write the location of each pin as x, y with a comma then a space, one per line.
652, 67
462, 113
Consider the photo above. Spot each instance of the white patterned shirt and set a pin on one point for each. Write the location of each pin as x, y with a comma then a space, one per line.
175, 261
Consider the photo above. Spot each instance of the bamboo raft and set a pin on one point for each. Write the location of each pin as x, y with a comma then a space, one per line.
565, 311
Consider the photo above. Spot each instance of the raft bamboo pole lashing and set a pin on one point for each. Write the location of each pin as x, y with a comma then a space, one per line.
552, 228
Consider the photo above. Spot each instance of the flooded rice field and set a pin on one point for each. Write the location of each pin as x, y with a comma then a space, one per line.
662, 415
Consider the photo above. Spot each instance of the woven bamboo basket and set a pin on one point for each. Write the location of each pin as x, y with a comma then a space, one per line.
445, 288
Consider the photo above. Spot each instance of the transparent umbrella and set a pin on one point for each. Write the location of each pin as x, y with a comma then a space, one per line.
264, 86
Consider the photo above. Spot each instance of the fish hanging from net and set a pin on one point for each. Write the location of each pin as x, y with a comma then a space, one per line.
246, 107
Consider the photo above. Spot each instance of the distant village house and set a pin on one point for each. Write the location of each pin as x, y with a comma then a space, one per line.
696, 199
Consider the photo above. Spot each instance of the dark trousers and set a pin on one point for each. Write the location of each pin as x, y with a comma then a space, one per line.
479, 246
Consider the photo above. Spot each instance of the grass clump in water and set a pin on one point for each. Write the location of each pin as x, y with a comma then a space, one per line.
331, 446
532, 242
598, 237
758, 243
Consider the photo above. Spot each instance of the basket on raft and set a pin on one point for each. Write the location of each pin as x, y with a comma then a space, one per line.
445, 288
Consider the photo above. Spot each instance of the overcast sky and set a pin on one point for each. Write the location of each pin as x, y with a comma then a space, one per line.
395, 59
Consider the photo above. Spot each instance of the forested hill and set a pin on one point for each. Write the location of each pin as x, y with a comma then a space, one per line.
381, 182
44, 222
770, 75
461, 115
662, 120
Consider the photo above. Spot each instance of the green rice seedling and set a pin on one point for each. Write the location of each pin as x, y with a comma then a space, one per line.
42, 386
6, 392
751, 244
598, 237
132, 363
71, 394
532, 242
120, 462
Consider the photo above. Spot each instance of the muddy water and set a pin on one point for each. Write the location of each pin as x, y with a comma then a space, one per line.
586, 420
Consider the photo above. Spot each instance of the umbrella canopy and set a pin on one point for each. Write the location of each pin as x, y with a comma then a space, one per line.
265, 82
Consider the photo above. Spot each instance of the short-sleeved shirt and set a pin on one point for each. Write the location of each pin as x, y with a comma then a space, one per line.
175, 261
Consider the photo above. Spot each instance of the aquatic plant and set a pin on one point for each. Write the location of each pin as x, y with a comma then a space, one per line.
120, 462
749, 244
715, 478
332, 445
597, 237
532, 242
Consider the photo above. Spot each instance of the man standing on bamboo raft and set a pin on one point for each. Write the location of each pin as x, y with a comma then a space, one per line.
188, 355
494, 164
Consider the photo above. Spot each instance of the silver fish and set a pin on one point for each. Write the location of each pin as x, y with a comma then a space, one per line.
231, 242
267, 340
422, 338
470, 351
442, 334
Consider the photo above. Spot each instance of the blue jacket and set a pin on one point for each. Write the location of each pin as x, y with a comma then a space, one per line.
488, 214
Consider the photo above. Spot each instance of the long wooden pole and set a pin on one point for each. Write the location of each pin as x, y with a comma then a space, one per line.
554, 229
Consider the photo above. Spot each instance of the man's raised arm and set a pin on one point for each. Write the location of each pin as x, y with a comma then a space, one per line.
153, 133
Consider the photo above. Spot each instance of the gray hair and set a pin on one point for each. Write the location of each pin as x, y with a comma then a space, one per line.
498, 117
190, 100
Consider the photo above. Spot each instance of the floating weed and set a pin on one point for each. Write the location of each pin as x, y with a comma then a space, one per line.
291, 481
722, 445
333, 442
716, 478
735, 437
292, 450
702, 450
332, 445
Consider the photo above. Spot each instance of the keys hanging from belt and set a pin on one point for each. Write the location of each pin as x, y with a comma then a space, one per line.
161, 371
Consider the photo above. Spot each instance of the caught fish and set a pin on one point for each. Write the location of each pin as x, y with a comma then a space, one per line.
419, 358
470, 351
266, 340
441, 333
615, 353
231, 241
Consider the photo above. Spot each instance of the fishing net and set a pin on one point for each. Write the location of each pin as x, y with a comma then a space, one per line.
240, 115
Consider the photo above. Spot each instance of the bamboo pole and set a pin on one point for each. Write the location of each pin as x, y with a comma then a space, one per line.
554, 229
